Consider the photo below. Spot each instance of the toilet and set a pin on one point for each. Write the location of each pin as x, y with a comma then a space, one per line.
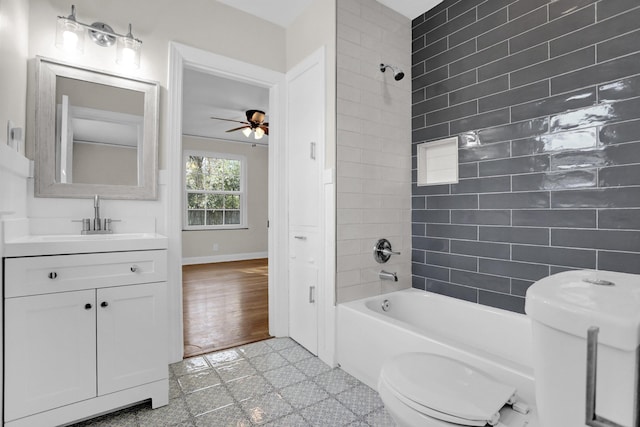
564, 308
573, 314
424, 389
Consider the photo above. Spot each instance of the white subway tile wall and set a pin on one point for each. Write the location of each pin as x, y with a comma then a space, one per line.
373, 147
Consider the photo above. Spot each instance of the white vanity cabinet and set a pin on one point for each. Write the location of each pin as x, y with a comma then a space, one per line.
84, 334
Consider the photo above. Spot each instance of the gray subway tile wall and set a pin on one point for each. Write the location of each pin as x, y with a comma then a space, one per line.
544, 97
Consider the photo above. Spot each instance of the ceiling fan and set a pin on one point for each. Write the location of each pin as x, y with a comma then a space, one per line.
255, 123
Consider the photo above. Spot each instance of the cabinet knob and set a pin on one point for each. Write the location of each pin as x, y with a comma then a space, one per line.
104, 304
87, 306
134, 268
53, 275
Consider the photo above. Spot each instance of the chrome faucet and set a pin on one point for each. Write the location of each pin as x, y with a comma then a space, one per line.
97, 226
100, 225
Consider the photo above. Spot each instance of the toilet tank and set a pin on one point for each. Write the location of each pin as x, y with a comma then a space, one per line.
562, 308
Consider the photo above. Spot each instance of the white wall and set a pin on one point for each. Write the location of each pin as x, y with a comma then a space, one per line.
373, 147
197, 245
14, 43
14, 168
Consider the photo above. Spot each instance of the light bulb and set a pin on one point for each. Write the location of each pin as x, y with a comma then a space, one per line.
259, 133
246, 132
69, 36
128, 51
70, 41
128, 56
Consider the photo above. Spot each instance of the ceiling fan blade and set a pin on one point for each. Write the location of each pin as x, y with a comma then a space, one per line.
229, 120
265, 129
241, 127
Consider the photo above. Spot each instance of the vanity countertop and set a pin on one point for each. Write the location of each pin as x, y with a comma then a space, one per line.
35, 245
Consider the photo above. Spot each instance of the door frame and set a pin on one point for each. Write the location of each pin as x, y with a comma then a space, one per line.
181, 57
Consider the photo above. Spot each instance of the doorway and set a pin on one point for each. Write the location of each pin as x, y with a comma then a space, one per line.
183, 58
225, 141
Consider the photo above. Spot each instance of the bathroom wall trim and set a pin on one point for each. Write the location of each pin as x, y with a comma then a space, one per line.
13, 162
224, 258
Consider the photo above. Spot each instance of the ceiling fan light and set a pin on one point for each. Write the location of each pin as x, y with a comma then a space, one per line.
259, 133
246, 132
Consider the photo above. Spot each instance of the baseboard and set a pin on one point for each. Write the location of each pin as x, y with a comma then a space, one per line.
224, 258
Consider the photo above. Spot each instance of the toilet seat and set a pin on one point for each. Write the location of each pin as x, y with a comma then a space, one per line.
445, 389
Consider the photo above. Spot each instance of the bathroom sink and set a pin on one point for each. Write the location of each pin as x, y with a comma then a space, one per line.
53, 244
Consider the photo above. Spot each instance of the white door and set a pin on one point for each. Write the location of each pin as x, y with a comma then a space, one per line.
305, 142
132, 347
50, 351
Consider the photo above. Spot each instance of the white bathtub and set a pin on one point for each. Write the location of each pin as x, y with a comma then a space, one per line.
493, 340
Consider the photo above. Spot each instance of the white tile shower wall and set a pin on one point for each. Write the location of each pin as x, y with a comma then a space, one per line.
373, 147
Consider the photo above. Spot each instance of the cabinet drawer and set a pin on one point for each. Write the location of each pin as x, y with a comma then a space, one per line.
48, 274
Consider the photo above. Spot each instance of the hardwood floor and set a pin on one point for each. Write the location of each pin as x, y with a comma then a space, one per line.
225, 304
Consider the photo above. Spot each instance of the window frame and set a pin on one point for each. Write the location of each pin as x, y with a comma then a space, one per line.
243, 193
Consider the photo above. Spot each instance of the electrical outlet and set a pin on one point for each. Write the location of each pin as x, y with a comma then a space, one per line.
216, 247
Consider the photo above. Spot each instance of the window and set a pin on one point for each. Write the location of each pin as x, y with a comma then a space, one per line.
215, 195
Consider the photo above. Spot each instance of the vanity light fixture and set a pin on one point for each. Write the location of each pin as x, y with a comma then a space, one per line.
70, 38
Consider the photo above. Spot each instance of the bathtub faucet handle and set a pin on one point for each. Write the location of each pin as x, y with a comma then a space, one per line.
389, 252
382, 251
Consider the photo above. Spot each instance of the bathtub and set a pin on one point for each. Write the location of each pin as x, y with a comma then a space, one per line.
493, 340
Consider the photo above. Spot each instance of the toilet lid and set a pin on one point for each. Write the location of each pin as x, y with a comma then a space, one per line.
445, 386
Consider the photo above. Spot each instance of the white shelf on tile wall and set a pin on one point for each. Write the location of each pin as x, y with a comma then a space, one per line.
438, 162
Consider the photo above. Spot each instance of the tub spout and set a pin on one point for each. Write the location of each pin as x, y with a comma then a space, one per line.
385, 275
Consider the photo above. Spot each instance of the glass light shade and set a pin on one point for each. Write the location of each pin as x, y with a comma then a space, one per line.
128, 52
70, 36
246, 132
259, 133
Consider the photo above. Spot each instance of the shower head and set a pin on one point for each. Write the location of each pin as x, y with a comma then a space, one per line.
398, 74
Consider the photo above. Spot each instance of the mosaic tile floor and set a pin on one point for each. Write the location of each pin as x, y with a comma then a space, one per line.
272, 383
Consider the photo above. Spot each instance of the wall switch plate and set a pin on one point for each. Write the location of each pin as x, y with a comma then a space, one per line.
14, 136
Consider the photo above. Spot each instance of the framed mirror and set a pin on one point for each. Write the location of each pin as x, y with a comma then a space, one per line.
95, 133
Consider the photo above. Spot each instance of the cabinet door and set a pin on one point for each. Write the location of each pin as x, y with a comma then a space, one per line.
304, 250
132, 346
50, 351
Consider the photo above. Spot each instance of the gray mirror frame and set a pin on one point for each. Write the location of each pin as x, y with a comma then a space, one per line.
45, 134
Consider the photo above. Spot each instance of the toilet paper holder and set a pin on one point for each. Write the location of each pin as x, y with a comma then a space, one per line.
382, 251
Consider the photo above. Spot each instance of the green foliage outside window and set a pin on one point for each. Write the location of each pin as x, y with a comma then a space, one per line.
213, 191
